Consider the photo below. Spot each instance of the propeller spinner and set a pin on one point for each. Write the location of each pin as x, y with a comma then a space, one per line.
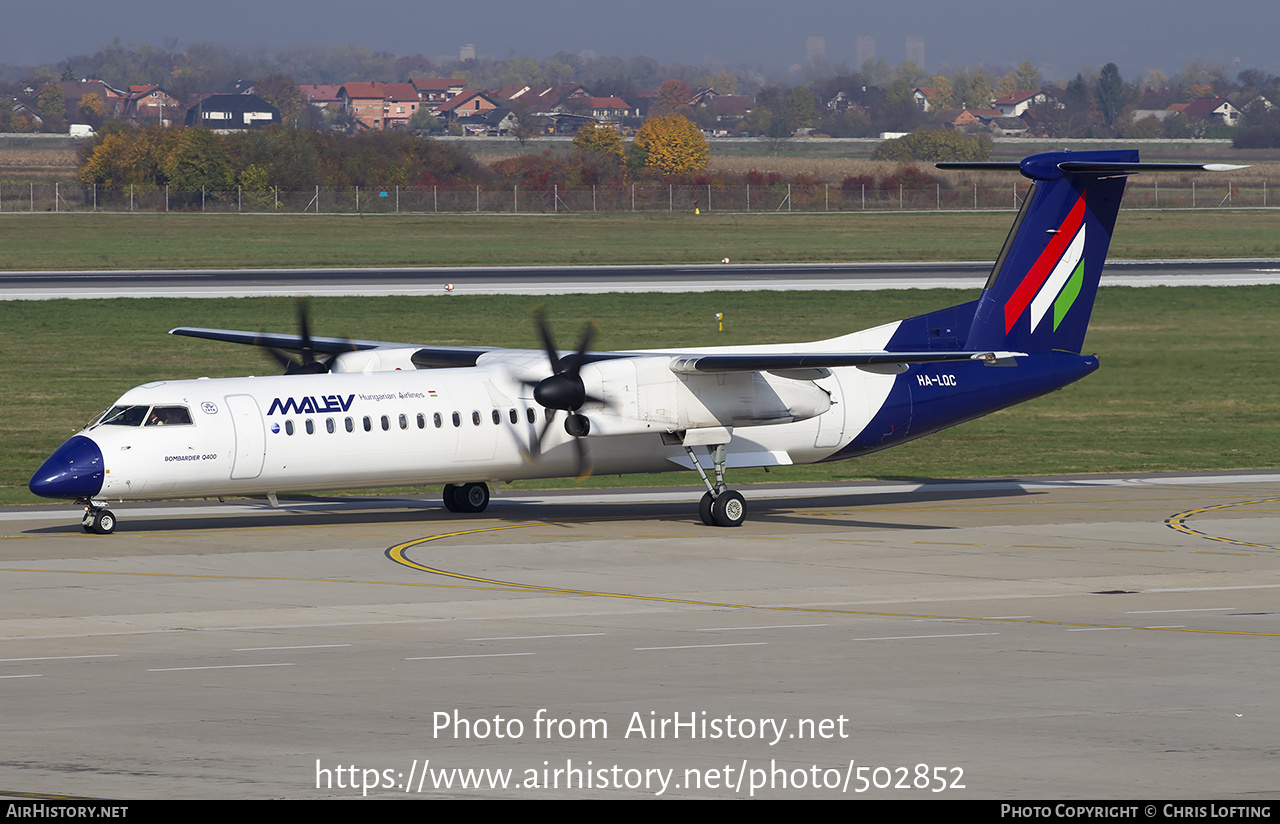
306, 363
563, 390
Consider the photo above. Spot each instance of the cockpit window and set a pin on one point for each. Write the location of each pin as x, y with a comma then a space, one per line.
169, 416
123, 416
145, 415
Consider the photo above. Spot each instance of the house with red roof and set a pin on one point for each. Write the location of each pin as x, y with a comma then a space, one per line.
1013, 105
379, 105
432, 91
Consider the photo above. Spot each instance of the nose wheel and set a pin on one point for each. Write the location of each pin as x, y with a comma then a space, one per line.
98, 521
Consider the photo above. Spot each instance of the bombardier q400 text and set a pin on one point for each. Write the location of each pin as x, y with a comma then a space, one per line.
369, 413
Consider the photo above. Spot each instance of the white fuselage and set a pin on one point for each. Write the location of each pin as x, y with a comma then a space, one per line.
343, 430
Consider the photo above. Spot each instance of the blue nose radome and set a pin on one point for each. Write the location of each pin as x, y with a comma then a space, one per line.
75, 471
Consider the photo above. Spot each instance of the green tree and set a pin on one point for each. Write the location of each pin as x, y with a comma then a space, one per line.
671, 145
52, 106
1027, 75
1110, 93
199, 161
935, 145
801, 111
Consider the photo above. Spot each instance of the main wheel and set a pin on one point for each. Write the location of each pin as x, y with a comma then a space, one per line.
730, 509
704, 509
450, 496
473, 497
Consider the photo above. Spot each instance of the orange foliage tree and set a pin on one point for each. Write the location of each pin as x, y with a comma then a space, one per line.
671, 145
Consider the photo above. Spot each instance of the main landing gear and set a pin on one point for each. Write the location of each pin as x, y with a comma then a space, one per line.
466, 497
97, 520
720, 506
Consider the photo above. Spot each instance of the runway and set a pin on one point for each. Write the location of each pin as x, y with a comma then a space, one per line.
544, 280
1075, 638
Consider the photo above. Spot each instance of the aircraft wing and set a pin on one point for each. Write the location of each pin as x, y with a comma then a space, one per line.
821, 360
426, 356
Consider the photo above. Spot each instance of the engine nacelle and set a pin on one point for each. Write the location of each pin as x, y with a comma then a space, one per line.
644, 395
374, 360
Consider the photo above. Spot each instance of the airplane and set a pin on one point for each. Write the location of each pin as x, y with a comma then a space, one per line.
361, 413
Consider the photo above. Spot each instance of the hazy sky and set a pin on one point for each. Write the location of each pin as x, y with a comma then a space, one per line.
1138, 35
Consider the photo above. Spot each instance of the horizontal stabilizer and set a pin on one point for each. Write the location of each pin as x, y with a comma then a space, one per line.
1034, 170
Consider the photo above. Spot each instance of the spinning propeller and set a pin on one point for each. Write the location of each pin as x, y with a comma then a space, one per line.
307, 363
563, 389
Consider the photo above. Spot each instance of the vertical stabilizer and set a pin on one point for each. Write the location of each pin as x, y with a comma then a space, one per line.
1041, 290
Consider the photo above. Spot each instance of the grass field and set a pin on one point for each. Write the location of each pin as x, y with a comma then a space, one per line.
149, 241
1187, 377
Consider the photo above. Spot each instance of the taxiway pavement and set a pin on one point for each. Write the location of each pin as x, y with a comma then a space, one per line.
1085, 637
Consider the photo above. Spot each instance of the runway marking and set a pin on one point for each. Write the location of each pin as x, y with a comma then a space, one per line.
397, 555
538, 637
774, 626
58, 658
918, 637
483, 655
306, 646
1178, 522
705, 646
224, 666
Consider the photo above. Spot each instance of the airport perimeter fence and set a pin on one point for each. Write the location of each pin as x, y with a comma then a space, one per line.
648, 198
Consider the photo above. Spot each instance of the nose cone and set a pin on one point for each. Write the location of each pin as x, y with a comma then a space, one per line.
73, 471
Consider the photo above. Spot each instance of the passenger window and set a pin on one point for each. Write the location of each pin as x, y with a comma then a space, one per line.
457, 419
311, 427
368, 424
529, 413
351, 425
497, 417
288, 427
439, 421
386, 423
514, 417
475, 417
404, 422
328, 424
422, 421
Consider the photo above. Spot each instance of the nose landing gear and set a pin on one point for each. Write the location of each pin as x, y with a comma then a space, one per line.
98, 521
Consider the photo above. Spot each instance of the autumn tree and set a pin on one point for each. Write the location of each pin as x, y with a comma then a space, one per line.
92, 110
281, 91
671, 145
602, 154
673, 98
124, 156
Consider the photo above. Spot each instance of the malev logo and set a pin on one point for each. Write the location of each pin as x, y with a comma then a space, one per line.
1054, 281
311, 405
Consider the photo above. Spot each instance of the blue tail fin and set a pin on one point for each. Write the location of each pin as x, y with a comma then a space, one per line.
1041, 290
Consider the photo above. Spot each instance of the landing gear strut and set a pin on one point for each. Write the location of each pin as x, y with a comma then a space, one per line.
472, 497
720, 506
98, 521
